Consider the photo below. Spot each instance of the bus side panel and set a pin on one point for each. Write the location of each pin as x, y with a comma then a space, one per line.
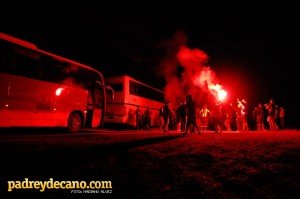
122, 110
115, 113
41, 104
44, 96
5, 119
70, 99
32, 99
21, 100
155, 120
130, 114
57, 104
143, 103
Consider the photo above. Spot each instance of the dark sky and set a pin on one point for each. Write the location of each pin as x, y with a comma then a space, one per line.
253, 48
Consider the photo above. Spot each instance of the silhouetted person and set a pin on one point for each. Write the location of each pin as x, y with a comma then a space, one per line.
216, 118
258, 115
204, 117
147, 118
160, 115
272, 114
138, 118
233, 117
166, 116
191, 115
281, 115
242, 123
181, 117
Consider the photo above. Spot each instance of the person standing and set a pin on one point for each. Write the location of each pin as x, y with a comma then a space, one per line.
242, 119
181, 117
191, 115
166, 115
272, 109
216, 118
204, 117
138, 118
258, 115
161, 118
147, 118
281, 117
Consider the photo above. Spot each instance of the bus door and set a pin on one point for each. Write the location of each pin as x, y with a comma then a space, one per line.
98, 105
94, 106
90, 108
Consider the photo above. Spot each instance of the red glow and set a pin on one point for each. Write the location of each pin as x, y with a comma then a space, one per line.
191, 58
59, 91
206, 76
222, 95
218, 91
196, 76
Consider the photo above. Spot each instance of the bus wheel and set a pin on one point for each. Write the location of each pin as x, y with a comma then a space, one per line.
74, 123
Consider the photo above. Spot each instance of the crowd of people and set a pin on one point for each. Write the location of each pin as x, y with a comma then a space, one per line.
190, 117
184, 115
275, 116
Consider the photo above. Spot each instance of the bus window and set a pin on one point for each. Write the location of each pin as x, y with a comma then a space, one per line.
110, 95
26, 63
144, 91
117, 87
82, 77
4, 58
52, 69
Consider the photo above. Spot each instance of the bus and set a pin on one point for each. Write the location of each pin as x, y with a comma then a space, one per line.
130, 93
41, 89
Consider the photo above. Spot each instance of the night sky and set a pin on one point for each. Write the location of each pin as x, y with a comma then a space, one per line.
253, 48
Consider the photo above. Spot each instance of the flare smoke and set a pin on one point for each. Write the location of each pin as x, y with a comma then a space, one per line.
186, 71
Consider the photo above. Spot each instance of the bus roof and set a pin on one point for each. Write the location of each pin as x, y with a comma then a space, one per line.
32, 46
17, 41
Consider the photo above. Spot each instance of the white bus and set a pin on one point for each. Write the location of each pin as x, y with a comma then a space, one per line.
128, 94
41, 89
